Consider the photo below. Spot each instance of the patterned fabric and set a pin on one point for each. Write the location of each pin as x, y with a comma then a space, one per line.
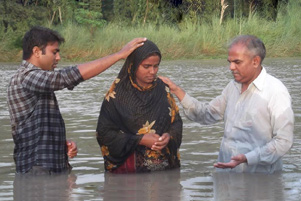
38, 128
129, 111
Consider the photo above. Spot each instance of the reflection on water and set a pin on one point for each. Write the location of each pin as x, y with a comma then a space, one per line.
44, 187
236, 186
195, 180
156, 186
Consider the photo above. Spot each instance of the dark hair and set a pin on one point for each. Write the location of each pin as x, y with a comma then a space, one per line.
252, 43
40, 37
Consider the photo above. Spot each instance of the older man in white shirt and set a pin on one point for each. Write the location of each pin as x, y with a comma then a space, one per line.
256, 108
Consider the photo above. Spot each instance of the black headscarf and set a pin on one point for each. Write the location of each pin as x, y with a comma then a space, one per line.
133, 61
128, 111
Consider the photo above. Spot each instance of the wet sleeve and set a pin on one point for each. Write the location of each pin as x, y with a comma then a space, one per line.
282, 121
204, 113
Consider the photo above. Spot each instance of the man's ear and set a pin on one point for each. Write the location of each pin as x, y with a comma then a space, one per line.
36, 51
256, 61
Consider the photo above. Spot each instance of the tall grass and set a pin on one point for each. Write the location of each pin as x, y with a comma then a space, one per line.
183, 41
192, 41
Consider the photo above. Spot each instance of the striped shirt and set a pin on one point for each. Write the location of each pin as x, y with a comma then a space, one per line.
38, 128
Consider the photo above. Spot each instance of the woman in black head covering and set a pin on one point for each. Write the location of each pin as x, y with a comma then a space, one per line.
139, 127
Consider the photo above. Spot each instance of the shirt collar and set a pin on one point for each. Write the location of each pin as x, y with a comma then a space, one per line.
259, 81
28, 65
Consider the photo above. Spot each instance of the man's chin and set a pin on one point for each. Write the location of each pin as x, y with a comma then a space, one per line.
236, 77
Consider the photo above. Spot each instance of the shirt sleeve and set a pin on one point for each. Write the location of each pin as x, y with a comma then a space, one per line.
204, 113
38, 80
282, 122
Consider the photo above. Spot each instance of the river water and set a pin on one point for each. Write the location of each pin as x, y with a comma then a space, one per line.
195, 180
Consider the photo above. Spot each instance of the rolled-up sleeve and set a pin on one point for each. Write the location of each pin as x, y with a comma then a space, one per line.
38, 80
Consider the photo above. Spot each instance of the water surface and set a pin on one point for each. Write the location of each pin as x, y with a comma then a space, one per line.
195, 180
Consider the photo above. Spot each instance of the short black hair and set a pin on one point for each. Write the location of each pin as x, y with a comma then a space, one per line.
40, 37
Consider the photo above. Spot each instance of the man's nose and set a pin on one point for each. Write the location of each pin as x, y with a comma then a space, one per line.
58, 56
232, 66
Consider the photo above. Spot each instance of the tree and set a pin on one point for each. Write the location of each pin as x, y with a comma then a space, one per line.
88, 13
198, 11
18, 16
267, 9
224, 6
141, 12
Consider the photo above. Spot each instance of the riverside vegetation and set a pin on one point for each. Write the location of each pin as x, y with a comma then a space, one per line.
185, 38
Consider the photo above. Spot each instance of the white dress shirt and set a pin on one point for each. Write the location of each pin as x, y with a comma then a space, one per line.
258, 122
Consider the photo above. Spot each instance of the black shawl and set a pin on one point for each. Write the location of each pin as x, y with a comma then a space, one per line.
128, 111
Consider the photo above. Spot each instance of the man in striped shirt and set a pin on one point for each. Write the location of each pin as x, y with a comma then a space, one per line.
38, 128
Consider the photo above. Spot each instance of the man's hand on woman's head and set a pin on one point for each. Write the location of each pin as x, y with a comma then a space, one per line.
131, 46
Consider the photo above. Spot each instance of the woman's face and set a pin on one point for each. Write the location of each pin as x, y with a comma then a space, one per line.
147, 71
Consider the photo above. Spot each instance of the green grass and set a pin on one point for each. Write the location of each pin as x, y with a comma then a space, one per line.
282, 38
